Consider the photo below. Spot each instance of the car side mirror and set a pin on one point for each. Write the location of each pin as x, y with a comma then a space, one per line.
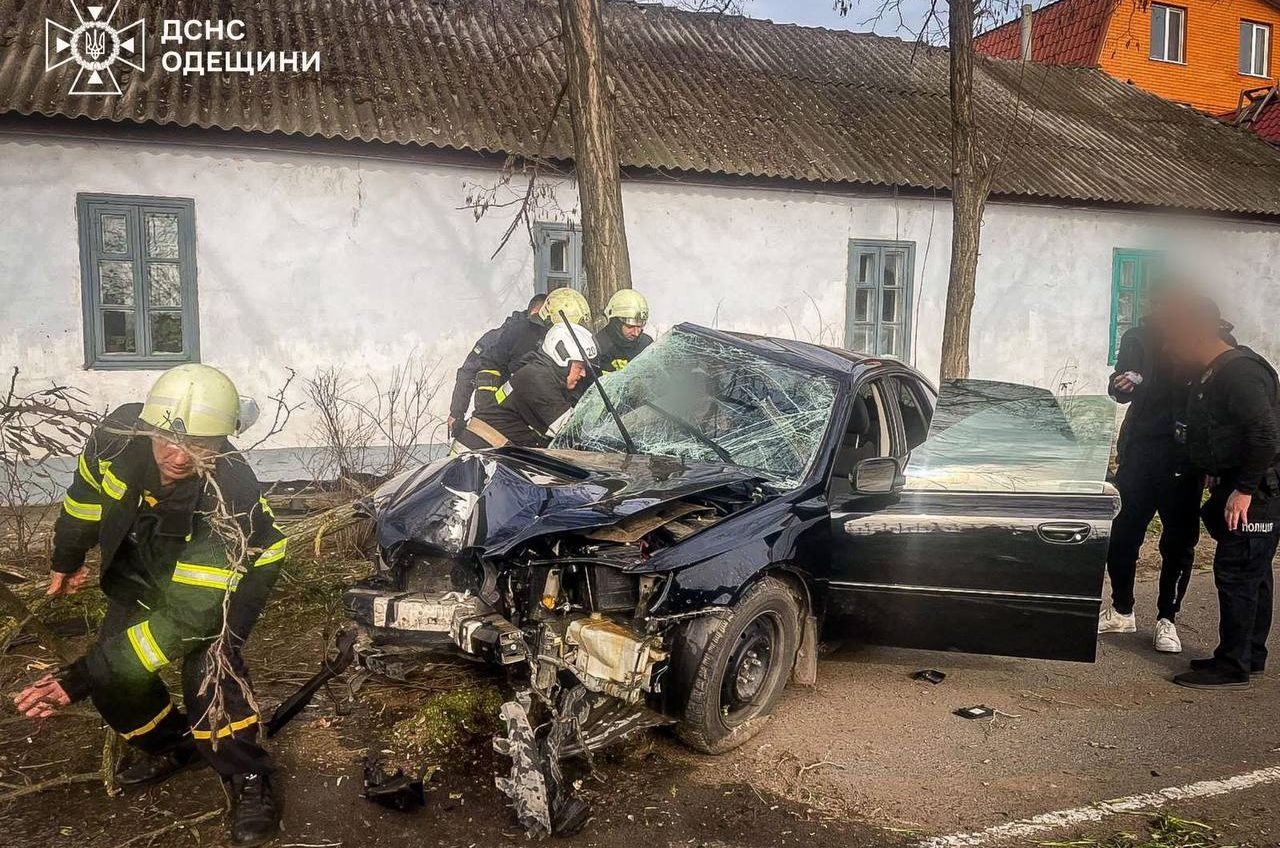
877, 476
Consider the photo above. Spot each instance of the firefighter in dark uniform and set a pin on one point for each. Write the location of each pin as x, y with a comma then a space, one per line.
464, 384
1153, 477
623, 338
543, 390
1232, 432
500, 359
149, 488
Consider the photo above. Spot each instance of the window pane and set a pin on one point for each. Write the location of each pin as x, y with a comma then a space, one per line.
890, 303
1175, 35
1157, 32
118, 334
1128, 272
862, 338
862, 304
1261, 50
115, 281
166, 332
1246, 47
1124, 307
866, 269
162, 236
115, 234
890, 340
893, 265
165, 282
559, 256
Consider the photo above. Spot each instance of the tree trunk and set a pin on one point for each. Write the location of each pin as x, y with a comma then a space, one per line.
968, 196
595, 154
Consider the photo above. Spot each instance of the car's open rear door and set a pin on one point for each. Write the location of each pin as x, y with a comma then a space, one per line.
998, 542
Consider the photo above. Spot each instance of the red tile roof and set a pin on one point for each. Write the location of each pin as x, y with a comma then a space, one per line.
1262, 117
1067, 32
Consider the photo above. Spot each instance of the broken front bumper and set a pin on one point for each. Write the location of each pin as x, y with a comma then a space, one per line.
448, 622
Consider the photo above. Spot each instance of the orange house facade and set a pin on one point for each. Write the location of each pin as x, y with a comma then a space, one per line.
1199, 52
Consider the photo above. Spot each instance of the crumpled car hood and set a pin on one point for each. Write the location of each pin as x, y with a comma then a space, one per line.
495, 500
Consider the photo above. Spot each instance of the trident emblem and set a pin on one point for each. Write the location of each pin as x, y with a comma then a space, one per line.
94, 45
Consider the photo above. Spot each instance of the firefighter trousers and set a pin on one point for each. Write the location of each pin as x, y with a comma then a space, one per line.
145, 715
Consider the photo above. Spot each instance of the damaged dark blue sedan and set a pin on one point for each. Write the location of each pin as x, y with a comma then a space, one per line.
725, 503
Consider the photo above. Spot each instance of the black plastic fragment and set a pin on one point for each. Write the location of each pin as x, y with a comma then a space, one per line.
930, 675
393, 790
979, 711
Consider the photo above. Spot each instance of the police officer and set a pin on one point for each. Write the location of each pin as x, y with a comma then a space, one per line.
499, 360
149, 488
623, 338
464, 384
1152, 477
544, 389
1233, 437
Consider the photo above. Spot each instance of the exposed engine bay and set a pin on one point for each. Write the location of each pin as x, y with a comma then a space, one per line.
552, 566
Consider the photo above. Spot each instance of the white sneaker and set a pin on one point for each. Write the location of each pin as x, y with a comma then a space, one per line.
1111, 621
1167, 640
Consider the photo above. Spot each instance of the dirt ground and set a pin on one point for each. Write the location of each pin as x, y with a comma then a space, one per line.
869, 757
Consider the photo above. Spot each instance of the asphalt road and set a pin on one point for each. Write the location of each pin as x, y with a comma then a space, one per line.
885, 749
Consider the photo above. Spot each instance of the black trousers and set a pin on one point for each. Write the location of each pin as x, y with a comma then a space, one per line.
1151, 482
145, 715
1242, 573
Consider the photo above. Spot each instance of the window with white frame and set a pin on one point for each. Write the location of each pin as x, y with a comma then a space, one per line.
558, 257
1255, 49
1168, 33
878, 302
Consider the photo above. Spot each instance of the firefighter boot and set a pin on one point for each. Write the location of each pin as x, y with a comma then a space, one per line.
151, 768
255, 811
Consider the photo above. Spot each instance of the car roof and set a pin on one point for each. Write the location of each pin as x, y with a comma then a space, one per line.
829, 360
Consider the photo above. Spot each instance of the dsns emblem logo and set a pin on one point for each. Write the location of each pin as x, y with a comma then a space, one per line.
95, 45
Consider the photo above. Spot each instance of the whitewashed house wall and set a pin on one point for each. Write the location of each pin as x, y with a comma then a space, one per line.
308, 259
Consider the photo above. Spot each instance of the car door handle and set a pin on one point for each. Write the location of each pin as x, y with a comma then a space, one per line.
1064, 532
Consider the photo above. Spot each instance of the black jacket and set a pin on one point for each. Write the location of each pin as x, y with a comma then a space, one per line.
615, 350
159, 549
531, 402
1233, 422
519, 336
464, 383
1157, 404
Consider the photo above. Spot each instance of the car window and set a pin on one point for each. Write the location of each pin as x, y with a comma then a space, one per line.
1004, 437
915, 420
857, 444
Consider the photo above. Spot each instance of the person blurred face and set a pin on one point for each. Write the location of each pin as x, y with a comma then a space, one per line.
576, 372
179, 460
1185, 330
631, 332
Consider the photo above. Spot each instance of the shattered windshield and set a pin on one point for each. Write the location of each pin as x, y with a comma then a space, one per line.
700, 399
1003, 437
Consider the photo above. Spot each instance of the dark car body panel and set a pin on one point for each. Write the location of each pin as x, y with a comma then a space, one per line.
962, 571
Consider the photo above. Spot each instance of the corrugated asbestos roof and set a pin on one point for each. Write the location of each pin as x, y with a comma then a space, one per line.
695, 93
1065, 32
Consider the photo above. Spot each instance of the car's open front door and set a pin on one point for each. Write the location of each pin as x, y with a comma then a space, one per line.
997, 543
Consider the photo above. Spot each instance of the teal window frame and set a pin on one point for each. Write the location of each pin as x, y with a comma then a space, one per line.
558, 257
1131, 273
91, 212
866, 325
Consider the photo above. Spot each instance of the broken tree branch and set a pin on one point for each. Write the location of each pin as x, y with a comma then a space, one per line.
52, 783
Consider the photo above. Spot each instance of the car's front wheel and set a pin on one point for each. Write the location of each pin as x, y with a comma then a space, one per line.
743, 661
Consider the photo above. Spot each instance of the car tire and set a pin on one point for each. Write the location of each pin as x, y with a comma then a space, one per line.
756, 644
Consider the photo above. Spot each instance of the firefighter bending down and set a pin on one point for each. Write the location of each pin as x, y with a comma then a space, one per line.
145, 493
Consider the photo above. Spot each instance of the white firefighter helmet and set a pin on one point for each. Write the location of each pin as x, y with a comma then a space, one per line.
560, 344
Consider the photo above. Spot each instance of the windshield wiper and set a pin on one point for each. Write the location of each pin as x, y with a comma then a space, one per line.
604, 396
690, 430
